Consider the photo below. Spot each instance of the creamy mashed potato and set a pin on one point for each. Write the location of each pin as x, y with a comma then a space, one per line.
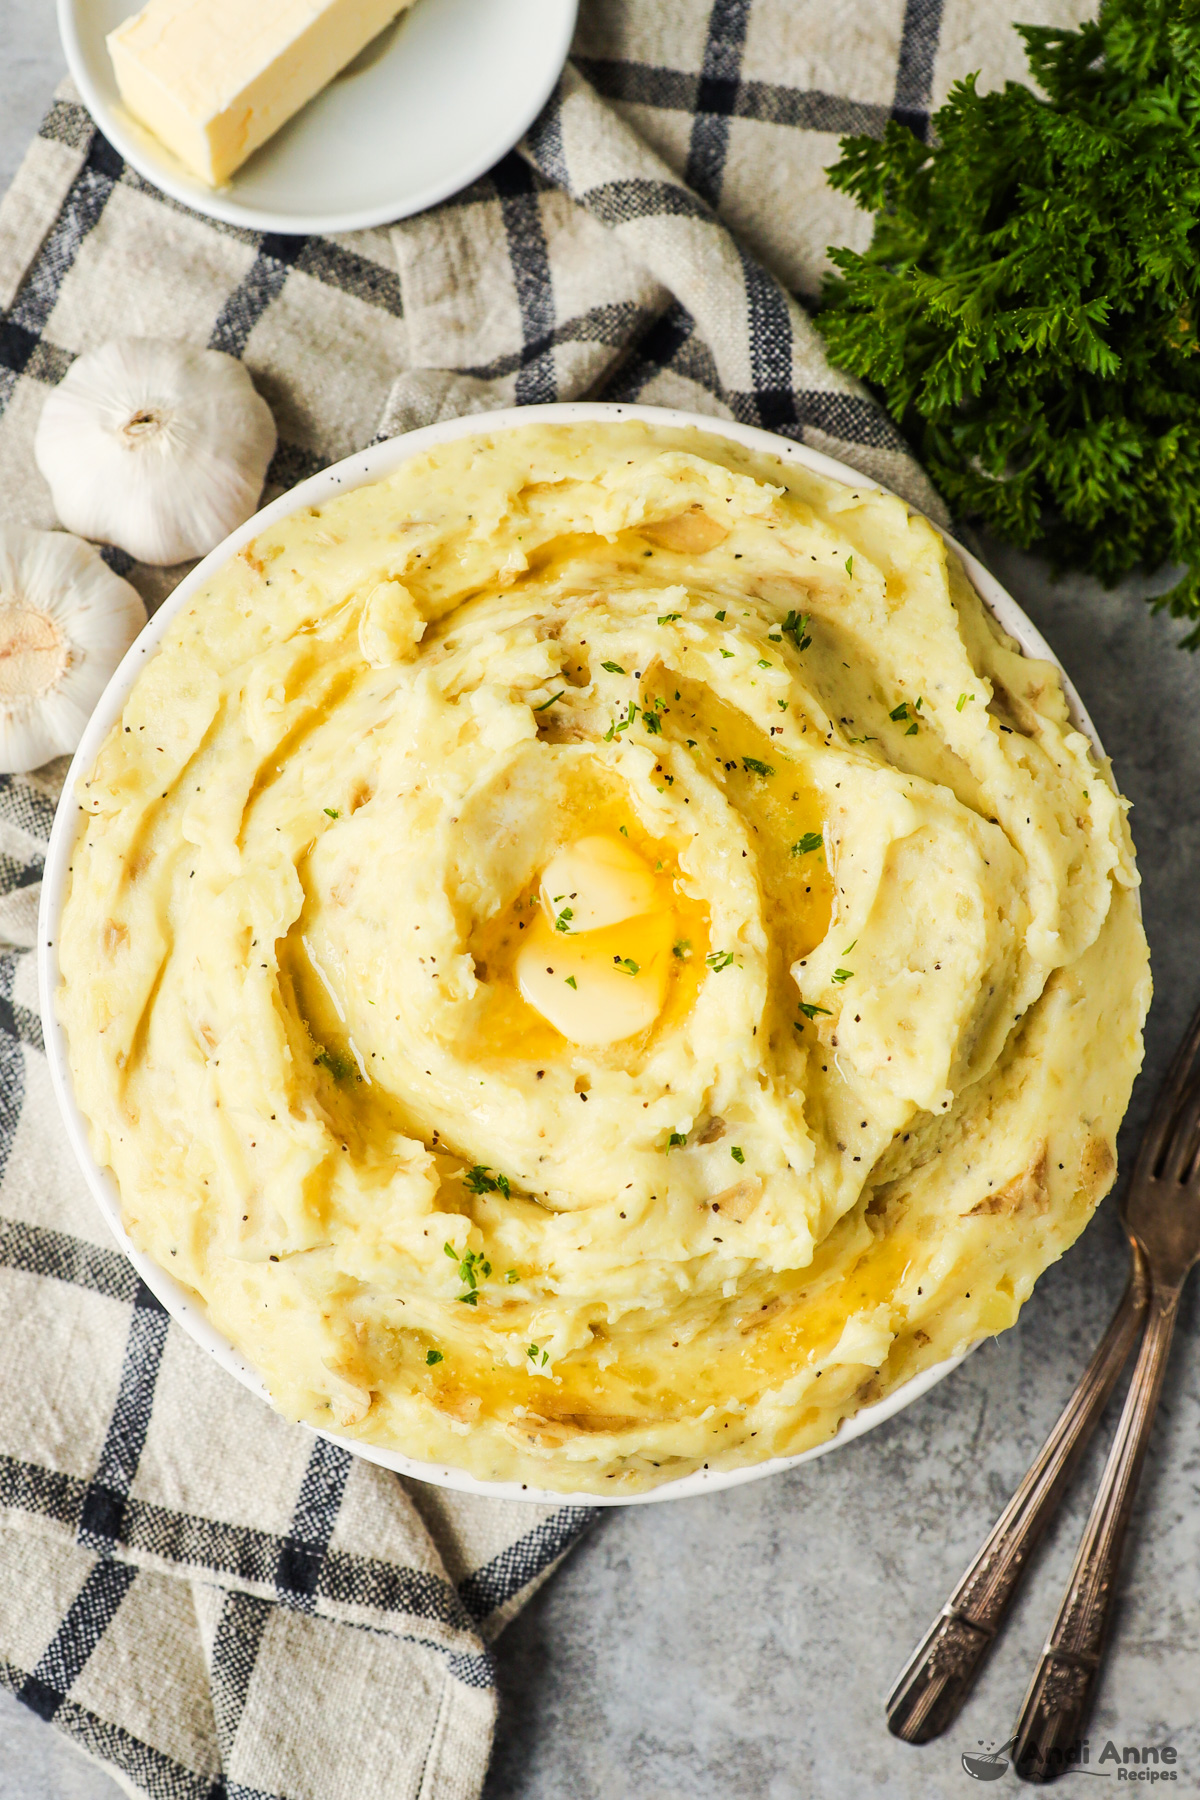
594, 956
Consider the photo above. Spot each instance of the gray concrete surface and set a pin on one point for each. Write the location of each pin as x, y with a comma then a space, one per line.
739, 1647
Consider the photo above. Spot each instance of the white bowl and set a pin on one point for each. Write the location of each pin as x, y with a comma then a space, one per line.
356, 471
436, 100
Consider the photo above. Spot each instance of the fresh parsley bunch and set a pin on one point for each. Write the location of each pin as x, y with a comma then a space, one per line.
1030, 301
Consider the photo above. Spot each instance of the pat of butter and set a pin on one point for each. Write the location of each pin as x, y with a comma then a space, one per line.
598, 881
214, 79
596, 959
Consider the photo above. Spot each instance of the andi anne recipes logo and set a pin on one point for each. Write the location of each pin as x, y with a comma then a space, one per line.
1143, 1763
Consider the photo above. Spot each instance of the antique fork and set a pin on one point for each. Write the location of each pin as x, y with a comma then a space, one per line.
1161, 1213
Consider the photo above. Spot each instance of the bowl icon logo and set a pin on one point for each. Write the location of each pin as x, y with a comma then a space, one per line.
987, 1765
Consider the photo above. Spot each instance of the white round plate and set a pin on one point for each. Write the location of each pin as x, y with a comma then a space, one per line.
434, 102
357, 471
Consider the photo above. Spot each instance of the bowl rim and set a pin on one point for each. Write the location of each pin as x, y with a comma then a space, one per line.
222, 204
360, 470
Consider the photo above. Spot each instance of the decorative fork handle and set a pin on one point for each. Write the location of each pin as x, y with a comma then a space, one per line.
1059, 1699
939, 1676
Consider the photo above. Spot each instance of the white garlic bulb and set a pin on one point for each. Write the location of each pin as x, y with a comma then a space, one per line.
65, 623
160, 448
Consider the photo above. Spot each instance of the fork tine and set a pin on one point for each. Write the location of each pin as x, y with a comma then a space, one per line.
1170, 1099
1180, 1149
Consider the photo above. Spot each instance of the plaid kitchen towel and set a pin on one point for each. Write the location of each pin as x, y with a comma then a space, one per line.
209, 1600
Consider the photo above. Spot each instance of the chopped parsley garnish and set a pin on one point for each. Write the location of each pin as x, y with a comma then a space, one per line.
721, 616
728, 655
613, 668
571, 982
812, 840
782, 705
676, 1138
653, 723
473, 1266
433, 1356
480, 1180
511, 1275
550, 701
620, 725
342, 1068
682, 949
331, 812
534, 1353
624, 830
668, 618
764, 664
719, 959
810, 1009
962, 701
899, 712
913, 729
737, 1153
849, 565
795, 626
753, 766
840, 975
562, 921
627, 965
849, 947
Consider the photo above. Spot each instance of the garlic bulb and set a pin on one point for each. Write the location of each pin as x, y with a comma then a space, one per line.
157, 447
65, 623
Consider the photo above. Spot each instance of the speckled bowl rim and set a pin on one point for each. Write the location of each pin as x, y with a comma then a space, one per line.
183, 1305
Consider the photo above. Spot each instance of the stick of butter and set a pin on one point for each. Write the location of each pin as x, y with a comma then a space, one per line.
214, 79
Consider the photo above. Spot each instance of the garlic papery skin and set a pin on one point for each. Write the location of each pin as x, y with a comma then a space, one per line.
65, 623
157, 447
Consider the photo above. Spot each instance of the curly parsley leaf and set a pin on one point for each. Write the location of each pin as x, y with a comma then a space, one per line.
1029, 304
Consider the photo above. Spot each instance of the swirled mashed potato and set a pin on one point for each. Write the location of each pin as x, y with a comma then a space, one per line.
595, 957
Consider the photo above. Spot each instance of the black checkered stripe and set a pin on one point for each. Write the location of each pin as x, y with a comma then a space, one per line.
717, 92
26, 815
